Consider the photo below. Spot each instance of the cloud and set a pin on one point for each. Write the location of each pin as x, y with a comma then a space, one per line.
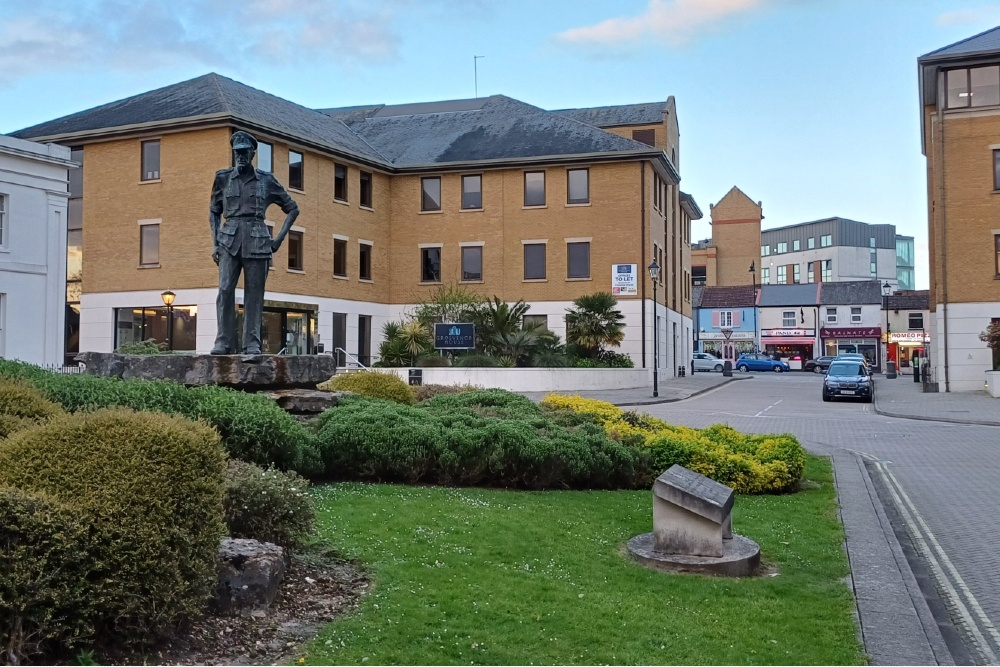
676, 21
965, 16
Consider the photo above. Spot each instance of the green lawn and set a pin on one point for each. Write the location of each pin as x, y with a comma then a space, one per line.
477, 576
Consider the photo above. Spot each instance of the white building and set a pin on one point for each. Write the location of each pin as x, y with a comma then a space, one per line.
33, 203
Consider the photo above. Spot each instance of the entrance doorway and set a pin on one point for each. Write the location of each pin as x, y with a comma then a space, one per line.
284, 330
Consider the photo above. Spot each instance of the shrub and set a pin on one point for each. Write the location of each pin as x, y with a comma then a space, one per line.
432, 360
613, 359
371, 384
150, 488
44, 601
22, 406
267, 505
148, 346
426, 391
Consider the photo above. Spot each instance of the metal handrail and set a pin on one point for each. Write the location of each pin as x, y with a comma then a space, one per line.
349, 356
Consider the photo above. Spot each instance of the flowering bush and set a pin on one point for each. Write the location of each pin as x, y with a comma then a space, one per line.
267, 505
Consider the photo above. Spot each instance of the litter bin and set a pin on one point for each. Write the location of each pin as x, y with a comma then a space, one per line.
727, 369
681, 371
916, 368
890, 370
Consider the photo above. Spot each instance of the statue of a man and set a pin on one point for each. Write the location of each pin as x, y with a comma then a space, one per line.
242, 194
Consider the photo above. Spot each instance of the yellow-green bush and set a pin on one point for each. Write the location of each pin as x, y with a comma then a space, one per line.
23, 406
149, 486
747, 463
268, 505
371, 384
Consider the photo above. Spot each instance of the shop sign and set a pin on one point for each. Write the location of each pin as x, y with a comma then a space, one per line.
718, 335
853, 332
787, 333
625, 279
909, 337
448, 336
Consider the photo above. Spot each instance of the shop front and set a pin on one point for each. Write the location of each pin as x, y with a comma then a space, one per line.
727, 344
861, 340
903, 345
794, 346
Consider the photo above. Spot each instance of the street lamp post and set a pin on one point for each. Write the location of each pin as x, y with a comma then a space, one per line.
168, 301
886, 289
753, 273
654, 273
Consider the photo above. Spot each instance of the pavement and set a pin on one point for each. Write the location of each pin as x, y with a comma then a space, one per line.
669, 390
906, 399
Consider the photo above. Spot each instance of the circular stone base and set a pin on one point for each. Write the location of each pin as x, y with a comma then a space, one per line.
740, 557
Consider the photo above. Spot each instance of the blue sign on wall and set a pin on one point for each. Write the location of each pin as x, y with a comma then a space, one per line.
450, 336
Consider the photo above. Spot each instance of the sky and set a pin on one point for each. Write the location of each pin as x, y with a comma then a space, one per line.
808, 106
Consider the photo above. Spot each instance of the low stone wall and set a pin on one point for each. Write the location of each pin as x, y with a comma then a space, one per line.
534, 379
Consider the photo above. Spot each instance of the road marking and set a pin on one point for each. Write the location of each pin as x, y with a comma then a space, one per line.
767, 408
922, 535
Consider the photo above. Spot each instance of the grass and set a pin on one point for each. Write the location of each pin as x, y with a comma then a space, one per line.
478, 576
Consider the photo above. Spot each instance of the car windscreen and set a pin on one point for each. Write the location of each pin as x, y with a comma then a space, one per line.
845, 368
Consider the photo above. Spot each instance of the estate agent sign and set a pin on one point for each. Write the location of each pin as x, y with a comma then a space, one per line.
454, 336
853, 332
625, 279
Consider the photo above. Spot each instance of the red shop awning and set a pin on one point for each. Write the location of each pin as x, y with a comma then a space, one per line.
788, 341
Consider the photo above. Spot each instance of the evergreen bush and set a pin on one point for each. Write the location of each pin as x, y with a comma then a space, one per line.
372, 384
268, 505
22, 405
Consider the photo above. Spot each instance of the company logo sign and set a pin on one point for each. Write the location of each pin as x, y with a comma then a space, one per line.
449, 336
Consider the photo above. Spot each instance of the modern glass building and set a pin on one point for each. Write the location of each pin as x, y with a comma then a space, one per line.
904, 262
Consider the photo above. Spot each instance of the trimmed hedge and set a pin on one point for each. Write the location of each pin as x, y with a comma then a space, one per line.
22, 406
267, 505
150, 487
371, 384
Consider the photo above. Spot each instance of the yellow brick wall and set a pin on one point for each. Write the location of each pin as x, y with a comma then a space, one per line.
736, 237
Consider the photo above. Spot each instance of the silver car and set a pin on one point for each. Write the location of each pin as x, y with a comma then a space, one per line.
706, 362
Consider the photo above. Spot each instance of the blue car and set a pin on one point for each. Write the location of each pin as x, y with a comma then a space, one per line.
760, 362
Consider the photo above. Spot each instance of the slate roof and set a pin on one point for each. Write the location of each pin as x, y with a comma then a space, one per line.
648, 113
912, 300
986, 41
851, 292
789, 295
737, 296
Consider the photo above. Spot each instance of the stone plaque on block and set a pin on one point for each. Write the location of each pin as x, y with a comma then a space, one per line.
691, 513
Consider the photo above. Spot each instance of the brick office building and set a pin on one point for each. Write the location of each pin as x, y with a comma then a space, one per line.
493, 194
960, 137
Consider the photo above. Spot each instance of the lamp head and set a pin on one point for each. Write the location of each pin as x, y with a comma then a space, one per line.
168, 298
654, 270
886, 288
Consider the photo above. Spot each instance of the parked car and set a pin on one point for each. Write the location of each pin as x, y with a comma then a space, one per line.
818, 365
855, 356
760, 362
705, 362
848, 379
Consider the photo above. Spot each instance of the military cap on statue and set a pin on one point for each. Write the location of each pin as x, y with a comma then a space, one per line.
242, 139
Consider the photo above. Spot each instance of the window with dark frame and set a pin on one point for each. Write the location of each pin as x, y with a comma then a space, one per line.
578, 186
972, 87
534, 261
3, 220
578, 260
996, 248
340, 258
831, 315
797, 278
855, 314
535, 322
365, 196
295, 170
430, 265
796, 245
265, 153
151, 160
472, 191
782, 275
149, 245
916, 321
430, 193
340, 182
534, 188
647, 137
364, 261
782, 247
472, 263
295, 251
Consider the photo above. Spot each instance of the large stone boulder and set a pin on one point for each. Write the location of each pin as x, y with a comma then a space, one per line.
250, 573
306, 401
248, 372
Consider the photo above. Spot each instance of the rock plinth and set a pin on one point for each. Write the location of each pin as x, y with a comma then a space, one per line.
250, 573
248, 372
306, 401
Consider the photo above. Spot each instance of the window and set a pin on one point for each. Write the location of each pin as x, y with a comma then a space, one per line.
811, 242
151, 160
295, 171
430, 193
472, 263
873, 269
264, 156
871, 241
826, 240
535, 321
855, 314
365, 261
797, 270
578, 260
295, 251
534, 188
796, 245
916, 321
340, 257
811, 269
578, 186
831, 315
827, 270
765, 276
472, 191
133, 325
996, 243
3, 221
647, 137
973, 87
782, 247
788, 318
430, 265
725, 319
656, 193
149, 244
782, 275
340, 182
534, 261
765, 250
366, 189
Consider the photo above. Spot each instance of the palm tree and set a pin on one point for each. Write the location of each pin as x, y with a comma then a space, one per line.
495, 320
594, 322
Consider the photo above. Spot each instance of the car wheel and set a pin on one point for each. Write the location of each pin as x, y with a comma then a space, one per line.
778, 369
826, 397
817, 369
718, 368
742, 368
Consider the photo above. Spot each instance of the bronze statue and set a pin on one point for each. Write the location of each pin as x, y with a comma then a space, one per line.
242, 194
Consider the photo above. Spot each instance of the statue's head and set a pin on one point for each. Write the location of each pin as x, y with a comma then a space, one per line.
244, 147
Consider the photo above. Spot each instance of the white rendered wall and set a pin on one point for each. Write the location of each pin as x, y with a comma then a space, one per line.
33, 178
968, 357
535, 379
